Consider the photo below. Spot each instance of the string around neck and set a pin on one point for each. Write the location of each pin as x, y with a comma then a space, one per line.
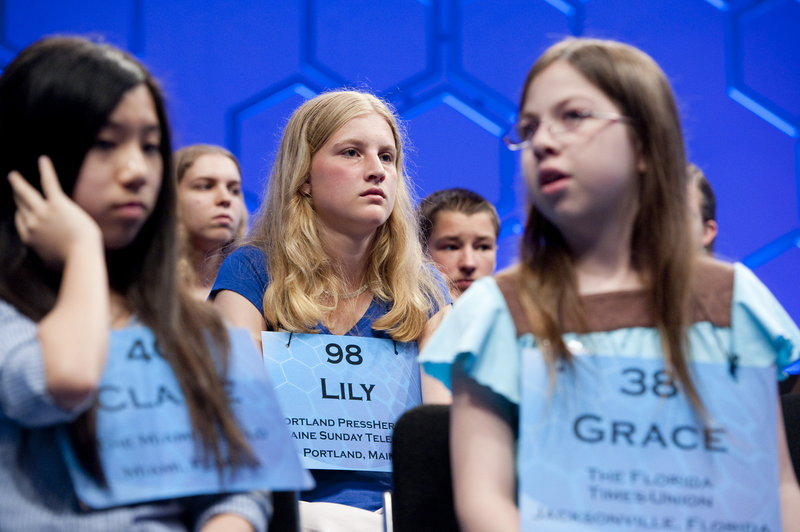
355, 293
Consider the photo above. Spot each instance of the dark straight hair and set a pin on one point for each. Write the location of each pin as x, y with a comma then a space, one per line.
55, 97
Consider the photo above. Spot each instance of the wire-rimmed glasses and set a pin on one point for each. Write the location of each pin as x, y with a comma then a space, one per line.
519, 137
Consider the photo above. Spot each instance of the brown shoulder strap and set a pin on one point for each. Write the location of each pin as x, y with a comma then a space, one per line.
713, 292
508, 283
713, 297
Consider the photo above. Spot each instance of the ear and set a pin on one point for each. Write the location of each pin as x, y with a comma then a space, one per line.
710, 230
641, 164
305, 189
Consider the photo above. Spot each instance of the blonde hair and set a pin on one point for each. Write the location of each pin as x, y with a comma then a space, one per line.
183, 159
660, 249
286, 229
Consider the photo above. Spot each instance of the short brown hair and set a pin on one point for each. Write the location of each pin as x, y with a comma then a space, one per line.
452, 199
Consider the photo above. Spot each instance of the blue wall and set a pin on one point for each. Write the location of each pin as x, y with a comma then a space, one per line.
234, 71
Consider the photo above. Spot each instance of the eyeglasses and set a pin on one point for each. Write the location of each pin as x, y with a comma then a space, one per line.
520, 136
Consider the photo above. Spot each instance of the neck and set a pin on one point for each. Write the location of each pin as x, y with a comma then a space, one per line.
205, 264
603, 262
349, 254
600, 243
120, 311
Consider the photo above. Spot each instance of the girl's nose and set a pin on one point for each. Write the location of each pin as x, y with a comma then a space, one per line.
134, 169
224, 196
544, 142
375, 170
466, 261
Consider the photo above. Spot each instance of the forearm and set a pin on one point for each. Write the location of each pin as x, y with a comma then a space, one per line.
236, 511
488, 514
74, 334
433, 390
227, 523
239, 312
483, 459
789, 490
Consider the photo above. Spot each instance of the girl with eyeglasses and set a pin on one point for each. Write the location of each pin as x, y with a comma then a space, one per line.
613, 378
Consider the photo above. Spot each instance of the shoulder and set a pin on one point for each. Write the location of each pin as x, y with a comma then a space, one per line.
508, 283
244, 271
442, 291
247, 254
713, 291
480, 305
9, 313
478, 334
508, 278
244, 261
759, 323
751, 296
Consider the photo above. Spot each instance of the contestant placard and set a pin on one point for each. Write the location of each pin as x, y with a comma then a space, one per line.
145, 439
617, 447
341, 395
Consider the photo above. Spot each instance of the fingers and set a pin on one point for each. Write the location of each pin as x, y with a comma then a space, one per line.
25, 196
50, 185
22, 226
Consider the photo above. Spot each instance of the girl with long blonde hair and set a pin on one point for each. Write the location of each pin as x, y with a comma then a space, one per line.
334, 250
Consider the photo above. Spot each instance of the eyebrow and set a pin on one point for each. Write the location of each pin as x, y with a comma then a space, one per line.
146, 129
359, 142
560, 104
454, 238
225, 180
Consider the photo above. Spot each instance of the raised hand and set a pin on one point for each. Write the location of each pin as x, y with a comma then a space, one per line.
74, 334
52, 224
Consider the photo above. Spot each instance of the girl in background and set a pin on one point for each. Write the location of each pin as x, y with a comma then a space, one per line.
609, 267
212, 212
703, 206
459, 233
334, 250
89, 243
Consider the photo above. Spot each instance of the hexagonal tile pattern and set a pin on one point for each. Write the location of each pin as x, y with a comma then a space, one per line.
453, 69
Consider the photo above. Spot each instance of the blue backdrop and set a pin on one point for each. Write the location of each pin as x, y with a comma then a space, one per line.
234, 70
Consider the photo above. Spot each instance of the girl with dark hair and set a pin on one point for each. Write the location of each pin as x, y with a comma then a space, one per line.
88, 240
614, 371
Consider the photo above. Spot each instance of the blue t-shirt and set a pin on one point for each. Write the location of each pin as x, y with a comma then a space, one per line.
245, 272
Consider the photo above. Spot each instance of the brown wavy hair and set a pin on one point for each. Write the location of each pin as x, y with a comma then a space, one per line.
660, 249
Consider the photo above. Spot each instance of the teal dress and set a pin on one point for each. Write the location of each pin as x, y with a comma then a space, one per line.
480, 335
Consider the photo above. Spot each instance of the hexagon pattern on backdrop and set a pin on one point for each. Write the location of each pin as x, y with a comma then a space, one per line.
234, 71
